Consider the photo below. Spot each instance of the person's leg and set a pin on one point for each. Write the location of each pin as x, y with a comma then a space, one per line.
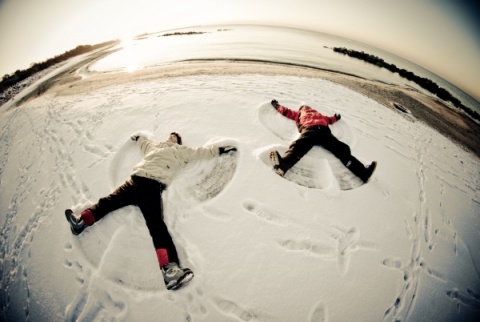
336, 147
297, 150
149, 199
121, 197
343, 153
148, 196
360, 170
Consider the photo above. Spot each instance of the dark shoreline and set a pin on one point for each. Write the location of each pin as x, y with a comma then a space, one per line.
423, 82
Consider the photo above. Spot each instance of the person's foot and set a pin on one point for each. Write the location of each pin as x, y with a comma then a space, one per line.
174, 276
369, 171
77, 225
276, 161
278, 171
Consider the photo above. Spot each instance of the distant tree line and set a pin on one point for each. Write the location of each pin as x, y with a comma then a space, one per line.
20, 75
425, 83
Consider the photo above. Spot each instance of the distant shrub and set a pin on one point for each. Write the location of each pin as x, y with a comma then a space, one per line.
183, 33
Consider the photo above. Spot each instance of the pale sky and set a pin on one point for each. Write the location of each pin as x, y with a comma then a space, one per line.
442, 36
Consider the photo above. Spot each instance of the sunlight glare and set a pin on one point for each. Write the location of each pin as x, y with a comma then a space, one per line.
130, 57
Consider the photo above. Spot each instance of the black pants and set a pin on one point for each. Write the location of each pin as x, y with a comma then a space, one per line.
147, 195
322, 136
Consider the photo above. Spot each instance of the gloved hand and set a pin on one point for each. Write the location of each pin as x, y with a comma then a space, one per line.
337, 117
135, 137
226, 149
275, 103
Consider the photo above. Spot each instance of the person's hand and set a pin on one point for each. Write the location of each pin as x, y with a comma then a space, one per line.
337, 117
135, 137
226, 149
275, 103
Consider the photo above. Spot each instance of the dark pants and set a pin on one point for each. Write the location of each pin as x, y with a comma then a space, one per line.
147, 195
322, 136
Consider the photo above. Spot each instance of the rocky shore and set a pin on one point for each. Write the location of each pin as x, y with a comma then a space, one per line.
14, 90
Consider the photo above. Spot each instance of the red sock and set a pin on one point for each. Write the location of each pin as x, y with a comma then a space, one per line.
88, 218
162, 256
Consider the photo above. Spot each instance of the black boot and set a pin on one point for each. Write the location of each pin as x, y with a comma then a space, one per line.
77, 225
357, 168
369, 171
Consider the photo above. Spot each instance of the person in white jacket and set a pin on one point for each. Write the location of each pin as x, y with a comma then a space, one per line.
161, 162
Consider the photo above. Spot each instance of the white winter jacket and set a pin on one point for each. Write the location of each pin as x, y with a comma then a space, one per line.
162, 160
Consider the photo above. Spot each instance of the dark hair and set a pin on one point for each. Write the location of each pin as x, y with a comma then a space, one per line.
179, 138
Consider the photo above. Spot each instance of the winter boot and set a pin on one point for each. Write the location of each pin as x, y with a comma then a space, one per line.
174, 276
77, 225
364, 173
276, 161
369, 171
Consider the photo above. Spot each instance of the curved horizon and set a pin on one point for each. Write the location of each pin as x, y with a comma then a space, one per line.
441, 37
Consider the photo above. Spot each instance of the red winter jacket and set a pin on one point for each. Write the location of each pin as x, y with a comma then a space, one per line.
306, 117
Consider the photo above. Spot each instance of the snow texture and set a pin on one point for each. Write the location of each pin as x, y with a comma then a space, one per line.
313, 246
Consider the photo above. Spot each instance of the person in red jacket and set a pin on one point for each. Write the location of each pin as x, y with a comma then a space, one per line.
314, 130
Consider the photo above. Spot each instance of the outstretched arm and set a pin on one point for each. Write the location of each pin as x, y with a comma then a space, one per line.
332, 119
275, 104
145, 144
188, 154
206, 152
285, 111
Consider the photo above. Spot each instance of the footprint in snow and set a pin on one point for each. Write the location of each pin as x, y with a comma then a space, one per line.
319, 314
233, 309
265, 213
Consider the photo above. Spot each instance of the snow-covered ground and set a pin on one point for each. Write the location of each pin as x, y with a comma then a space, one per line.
314, 246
